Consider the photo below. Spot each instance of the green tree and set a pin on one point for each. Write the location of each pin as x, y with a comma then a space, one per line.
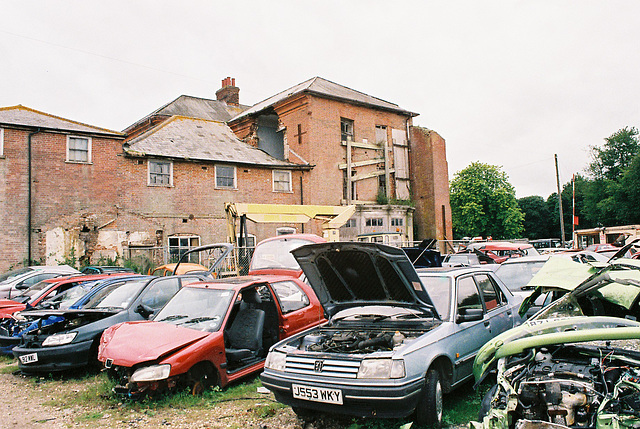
483, 203
536, 217
610, 161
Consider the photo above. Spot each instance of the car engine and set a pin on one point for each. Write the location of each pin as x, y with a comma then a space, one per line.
570, 389
355, 341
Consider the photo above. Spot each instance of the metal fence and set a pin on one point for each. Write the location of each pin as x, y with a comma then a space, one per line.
143, 259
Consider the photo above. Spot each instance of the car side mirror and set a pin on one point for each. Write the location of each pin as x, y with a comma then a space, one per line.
469, 315
144, 310
21, 286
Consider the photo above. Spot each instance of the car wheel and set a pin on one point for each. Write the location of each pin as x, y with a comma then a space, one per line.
429, 409
485, 405
199, 379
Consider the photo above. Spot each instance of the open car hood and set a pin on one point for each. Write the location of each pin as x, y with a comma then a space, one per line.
135, 342
545, 332
354, 274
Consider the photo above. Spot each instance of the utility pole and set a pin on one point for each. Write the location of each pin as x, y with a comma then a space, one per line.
559, 202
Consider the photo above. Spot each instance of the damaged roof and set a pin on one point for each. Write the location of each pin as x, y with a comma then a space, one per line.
21, 116
200, 140
325, 88
195, 107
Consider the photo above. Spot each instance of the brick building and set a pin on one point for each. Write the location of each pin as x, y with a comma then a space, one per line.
162, 182
58, 178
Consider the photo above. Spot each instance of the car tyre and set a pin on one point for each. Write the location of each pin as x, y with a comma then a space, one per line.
429, 409
200, 378
485, 405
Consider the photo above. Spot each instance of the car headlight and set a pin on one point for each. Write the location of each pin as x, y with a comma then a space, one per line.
276, 361
381, 368
151, 373
59, 339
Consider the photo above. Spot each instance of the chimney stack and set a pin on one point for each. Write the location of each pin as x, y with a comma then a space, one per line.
229, 93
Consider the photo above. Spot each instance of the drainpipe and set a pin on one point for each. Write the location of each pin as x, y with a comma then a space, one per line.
29, 195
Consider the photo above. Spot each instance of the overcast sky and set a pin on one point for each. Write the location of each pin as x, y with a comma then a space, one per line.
508, 83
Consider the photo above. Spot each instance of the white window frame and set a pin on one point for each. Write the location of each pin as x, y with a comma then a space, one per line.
88, 139
157, 161
289, 182
235, 176
1, 141
181, 248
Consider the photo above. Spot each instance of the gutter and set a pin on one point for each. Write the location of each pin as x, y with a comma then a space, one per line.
29, 194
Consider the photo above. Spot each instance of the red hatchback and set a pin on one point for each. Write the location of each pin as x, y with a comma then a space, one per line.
208, 334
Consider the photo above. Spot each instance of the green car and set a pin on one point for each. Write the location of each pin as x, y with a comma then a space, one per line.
575, 364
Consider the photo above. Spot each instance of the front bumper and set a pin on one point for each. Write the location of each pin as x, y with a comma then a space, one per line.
58, 358
7, 343
366, 399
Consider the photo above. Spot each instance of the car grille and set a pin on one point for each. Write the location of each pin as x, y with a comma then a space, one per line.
325, 367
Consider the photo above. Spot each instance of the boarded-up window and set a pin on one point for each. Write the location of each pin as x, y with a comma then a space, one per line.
401, 163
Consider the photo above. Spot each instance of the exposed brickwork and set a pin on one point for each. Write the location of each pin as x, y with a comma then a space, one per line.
430, 183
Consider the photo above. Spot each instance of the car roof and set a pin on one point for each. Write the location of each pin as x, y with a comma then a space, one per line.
526, 259
454, 271
235, 283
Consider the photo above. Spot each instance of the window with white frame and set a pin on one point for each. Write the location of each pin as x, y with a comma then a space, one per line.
374, 221
396, 221
178, 245
160, 173
1, 141
351, 223
78, 149
225, 176
281, 181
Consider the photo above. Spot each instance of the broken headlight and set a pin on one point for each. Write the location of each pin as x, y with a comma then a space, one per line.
381, 368
59, 339
151, 373
276, 361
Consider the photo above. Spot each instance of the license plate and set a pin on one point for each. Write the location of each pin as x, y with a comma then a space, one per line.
30, 358
317, 394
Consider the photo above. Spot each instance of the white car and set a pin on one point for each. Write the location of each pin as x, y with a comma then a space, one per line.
19, 279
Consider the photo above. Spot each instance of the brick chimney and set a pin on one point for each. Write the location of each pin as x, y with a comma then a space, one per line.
229, 93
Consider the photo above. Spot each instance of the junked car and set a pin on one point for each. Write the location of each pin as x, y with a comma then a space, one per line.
574, 364
14, 281
208, 334
72, 341
396, 338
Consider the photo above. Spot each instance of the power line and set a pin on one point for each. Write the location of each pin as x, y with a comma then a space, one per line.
104, 56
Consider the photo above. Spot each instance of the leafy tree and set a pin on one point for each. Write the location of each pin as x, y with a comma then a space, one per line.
536, 217
610, 161
483, 203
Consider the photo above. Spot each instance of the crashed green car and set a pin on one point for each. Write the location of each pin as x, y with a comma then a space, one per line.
574, 364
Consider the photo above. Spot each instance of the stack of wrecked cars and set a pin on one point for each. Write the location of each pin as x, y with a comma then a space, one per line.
575, 363
396, 338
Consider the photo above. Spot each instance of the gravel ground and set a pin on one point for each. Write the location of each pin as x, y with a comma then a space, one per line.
33, 402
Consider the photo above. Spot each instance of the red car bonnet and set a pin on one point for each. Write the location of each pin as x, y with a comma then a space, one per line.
134, 342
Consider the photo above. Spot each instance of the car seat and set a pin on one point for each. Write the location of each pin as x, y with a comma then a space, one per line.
244, 336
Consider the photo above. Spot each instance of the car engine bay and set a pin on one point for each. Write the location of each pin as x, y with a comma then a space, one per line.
572, 386
356, 341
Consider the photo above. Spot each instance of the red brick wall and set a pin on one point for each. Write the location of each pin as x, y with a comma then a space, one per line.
59, 188
430, 183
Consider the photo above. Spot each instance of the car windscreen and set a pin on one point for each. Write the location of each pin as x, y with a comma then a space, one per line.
196, 308
517, 275
34, 292
276, 254
458, 259
65, 299
118, 295
14, 273
439, 290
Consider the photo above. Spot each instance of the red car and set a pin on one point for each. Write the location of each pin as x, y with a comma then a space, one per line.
208, 334
272, 255
45, 290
